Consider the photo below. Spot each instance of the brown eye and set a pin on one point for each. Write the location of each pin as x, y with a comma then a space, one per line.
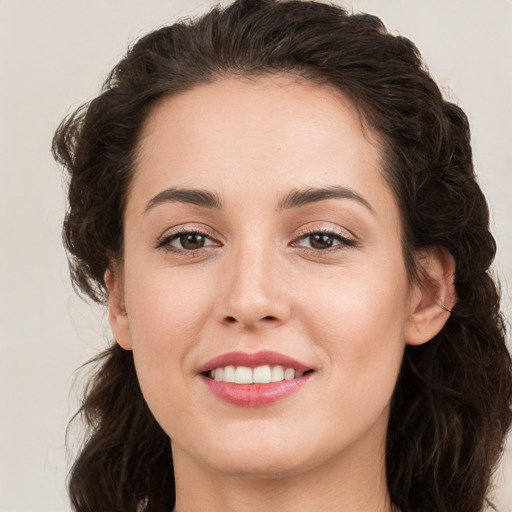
186, 241
191, 241
321, 240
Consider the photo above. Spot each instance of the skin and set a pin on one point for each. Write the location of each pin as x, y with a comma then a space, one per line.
258, 284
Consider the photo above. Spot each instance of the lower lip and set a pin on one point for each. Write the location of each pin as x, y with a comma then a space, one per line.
254, 395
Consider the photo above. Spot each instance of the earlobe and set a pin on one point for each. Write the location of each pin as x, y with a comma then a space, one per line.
433, 297
117, 315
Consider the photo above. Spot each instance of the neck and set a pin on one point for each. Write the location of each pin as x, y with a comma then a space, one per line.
351, 482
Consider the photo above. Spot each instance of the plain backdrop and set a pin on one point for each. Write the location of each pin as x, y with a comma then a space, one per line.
54, 55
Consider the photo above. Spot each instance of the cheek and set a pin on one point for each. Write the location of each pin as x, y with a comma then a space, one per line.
165, 316
359, 320
166, 309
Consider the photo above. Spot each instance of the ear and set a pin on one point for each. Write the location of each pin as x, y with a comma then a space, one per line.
433, 296
117, 316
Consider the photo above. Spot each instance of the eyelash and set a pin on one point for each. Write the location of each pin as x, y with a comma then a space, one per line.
344, 242
165, 243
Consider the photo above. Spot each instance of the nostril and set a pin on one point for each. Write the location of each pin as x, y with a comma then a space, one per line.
232, 319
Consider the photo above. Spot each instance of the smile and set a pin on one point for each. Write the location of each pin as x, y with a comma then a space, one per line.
259, 375
254, 380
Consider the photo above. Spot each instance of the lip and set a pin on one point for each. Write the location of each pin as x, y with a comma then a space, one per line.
254, 395
253, 360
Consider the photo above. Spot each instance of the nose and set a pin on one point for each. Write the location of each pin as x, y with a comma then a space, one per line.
254, 293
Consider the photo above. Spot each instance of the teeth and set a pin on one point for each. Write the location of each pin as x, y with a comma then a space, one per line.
277, 373
262, 375
243, 375
229, 374
259, 375
289, 374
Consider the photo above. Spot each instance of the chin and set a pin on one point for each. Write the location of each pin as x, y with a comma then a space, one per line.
256, 457
261, 466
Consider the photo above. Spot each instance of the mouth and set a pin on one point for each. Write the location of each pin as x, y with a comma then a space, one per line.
253, 380
264, 374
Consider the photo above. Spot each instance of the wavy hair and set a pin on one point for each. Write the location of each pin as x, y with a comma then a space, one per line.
451, 406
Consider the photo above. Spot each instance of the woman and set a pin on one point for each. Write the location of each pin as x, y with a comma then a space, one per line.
280, 210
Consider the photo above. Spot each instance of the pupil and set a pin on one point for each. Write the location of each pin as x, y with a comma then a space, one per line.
192, 241
320, 241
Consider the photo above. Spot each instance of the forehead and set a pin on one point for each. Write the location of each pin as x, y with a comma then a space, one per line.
257, 134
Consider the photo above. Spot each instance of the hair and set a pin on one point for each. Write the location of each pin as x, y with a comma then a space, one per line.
451, 407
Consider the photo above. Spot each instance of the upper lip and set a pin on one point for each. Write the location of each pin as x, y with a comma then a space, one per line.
253, 360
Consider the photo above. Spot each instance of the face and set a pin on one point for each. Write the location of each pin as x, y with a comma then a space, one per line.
263, 244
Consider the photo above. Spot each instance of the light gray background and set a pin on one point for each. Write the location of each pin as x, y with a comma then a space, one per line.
54, 55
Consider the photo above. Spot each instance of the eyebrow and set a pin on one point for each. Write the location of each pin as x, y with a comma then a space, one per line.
196, 197
294, 199
301, 197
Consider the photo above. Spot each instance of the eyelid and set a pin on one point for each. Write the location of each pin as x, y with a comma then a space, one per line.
342, 233
347, 240
163, 241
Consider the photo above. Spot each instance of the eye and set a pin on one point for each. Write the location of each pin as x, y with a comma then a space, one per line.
186, 241
323, 240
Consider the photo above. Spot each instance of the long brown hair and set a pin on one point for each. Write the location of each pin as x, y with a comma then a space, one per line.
451, 407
